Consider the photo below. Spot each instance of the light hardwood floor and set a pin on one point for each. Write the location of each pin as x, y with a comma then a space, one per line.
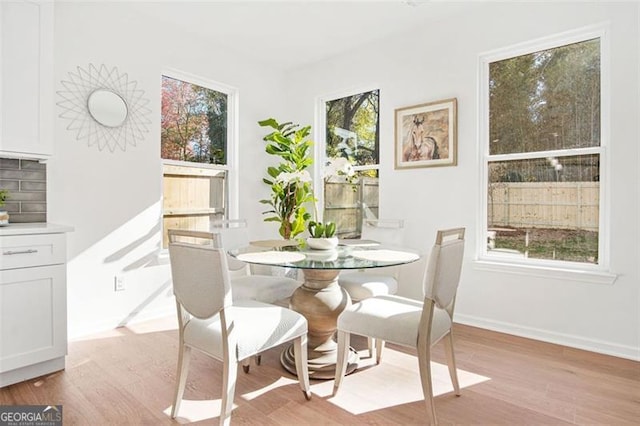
126, 377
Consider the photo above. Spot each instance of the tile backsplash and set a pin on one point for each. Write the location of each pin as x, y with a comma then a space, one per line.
26, 181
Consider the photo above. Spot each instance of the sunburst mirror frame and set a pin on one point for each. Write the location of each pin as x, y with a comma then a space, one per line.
103, 133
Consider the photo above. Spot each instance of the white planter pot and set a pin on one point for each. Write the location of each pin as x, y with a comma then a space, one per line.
322, 243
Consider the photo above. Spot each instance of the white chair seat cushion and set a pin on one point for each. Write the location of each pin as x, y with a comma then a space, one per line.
256, 326
263, 288
363, 285
393, 319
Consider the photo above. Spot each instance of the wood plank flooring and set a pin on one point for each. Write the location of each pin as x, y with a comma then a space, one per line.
127, 377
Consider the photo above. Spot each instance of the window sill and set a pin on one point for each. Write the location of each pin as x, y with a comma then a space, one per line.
584, 276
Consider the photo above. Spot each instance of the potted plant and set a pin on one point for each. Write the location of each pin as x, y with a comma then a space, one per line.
4, 216
290, 182
322, 235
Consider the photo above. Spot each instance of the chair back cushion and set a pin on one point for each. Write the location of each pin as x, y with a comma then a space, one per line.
445, 264
200, 278
389, 232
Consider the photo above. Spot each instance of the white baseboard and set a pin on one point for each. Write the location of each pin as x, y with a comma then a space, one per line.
111, 323
599, 346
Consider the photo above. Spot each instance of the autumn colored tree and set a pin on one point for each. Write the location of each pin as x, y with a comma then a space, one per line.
193, 123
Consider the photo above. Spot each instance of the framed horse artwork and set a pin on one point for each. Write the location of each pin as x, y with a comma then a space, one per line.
426, 135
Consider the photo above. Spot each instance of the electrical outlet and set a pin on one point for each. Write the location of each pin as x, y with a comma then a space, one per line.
118, 283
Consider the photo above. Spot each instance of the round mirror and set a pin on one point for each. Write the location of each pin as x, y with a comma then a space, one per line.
107, 108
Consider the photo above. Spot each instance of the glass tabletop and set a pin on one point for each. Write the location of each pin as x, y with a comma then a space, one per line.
348, 255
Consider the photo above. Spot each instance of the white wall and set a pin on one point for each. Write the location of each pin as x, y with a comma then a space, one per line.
113, 199
440, 60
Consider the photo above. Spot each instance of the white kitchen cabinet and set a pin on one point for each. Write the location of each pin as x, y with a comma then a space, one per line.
26, 78
33, 302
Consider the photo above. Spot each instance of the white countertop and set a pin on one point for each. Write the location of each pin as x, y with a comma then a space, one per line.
33, 228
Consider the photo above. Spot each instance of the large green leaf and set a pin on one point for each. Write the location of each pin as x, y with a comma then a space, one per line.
269, 122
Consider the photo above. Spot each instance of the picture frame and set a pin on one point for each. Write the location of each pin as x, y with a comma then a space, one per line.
426, 135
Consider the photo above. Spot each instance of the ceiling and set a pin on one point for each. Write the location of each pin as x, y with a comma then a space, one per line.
289, 34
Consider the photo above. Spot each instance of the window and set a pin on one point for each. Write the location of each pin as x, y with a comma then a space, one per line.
544, 159
352, 131
195, 152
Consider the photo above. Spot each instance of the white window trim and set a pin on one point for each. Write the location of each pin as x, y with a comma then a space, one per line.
583, 272
232, 136
320, 138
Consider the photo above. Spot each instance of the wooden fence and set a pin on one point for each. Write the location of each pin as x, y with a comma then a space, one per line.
346, 204
561, 205
193, 197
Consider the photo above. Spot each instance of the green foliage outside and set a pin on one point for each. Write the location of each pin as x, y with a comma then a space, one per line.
4, 195
353, 130
544, 101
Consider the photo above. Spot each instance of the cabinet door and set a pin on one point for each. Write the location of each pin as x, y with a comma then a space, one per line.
33, 316
26, 77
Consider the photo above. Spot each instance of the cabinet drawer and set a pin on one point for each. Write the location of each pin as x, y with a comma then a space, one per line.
23, 251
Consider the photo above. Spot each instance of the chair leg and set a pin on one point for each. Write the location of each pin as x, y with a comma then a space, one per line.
371, 345
379, 348
343, 355
230, 374
300, 354
246, 365
424, 362
258, 359
451, 361
184, 355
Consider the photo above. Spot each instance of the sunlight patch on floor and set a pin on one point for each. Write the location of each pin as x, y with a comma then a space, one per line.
375, 387
282, 381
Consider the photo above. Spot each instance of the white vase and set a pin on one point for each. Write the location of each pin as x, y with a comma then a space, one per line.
322, 243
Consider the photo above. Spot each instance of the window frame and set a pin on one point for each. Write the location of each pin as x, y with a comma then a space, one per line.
231, 168
320, 136
485, 260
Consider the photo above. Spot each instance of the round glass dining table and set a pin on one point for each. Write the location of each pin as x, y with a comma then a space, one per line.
320, 299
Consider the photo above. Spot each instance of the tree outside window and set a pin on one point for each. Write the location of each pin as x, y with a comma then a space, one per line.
194, 122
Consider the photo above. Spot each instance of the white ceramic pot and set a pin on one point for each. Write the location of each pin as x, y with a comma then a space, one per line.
4, 218
322, 243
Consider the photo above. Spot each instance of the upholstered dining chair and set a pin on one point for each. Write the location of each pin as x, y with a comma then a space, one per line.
234, 233
211, 322
230, 234
408, 322
374, 282
378, 281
